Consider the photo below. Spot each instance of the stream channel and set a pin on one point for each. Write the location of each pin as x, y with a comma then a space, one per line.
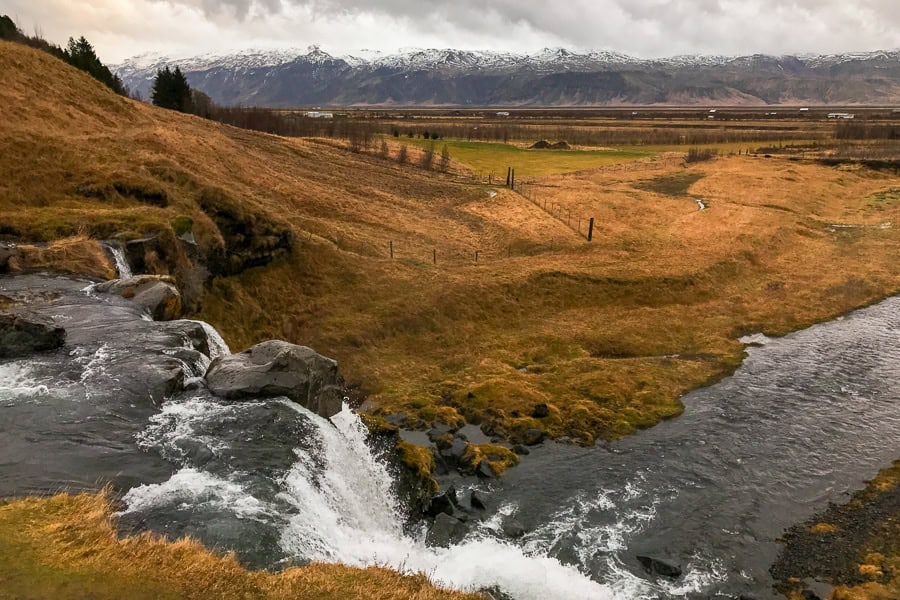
804, 421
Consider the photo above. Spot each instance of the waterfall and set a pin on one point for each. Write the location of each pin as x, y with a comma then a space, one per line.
348, 514
122, 266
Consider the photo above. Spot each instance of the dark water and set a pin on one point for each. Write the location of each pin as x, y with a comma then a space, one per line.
803, 422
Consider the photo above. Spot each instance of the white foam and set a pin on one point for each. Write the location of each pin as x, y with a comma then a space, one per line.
17, 383
190, 487
179, 420
347, 513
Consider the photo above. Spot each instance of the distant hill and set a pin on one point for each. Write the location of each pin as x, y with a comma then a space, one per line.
551, 77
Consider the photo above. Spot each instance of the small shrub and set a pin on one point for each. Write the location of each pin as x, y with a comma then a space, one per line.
695, 155
182, 225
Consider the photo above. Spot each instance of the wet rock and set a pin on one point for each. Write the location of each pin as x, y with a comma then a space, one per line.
457, 450
8, 256
438, 431
521, 450
398, 419
445, 531
197, 453
443, 503
484, 470
495, 593
511, 527
809, 595
533, 437
277, 368
22, 334
659, 566
153, 293
540, 411
478, 500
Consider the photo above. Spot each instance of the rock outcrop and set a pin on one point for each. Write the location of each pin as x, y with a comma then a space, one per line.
277, 368
22, 334
155, 294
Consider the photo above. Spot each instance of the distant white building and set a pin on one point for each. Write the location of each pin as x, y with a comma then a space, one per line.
503, 114
314, 114
804, 109
836, 115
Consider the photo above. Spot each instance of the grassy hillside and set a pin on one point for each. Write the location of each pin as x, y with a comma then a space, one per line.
608, 334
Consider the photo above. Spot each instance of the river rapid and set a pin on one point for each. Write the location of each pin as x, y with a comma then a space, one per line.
806, 419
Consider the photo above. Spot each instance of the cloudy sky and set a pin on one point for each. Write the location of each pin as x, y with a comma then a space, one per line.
645, 28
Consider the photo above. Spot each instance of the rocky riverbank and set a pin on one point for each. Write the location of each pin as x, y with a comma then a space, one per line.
852, 549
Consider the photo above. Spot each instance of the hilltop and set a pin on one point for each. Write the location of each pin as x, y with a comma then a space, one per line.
550, 77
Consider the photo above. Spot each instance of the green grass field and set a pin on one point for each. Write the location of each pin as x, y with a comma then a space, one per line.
487, 157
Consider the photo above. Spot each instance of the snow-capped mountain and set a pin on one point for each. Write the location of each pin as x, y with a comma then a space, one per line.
551, 76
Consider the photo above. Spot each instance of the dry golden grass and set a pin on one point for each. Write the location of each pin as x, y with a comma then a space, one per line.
66, 547
78, 254
610, 334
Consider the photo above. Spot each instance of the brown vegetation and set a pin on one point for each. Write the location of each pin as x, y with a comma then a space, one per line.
67, 547
79, 255
612, 333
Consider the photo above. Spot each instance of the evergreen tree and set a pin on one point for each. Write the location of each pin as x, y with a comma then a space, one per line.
80, 54
171, 90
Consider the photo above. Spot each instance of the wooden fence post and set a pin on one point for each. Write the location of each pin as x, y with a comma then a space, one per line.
591, 229
476, 256
508, 175
435, 256
392, 249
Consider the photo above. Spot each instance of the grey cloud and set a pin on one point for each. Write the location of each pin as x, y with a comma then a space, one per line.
641, 27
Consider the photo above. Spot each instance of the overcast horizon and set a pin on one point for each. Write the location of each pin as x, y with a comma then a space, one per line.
121, 29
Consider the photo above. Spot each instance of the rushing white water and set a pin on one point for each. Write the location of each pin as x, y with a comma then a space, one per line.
217, 345
198, 489
17, 382
122, 266
348, 514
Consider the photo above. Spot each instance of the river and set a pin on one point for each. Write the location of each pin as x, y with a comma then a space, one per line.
806, 419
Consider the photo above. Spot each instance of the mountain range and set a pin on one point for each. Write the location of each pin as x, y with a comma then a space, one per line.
553, 77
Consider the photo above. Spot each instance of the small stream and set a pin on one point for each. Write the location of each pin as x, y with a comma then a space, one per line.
804, 421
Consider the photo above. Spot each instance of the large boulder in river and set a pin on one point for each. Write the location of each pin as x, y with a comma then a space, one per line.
659, 566
154, 293
445, 531
22, 334
277, 368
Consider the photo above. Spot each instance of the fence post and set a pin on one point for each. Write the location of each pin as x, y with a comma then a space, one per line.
508, 175
392, 249
476, 256
579, 224
513, 179
435, 256
591, 229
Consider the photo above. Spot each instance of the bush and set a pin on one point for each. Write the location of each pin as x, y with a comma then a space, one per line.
182, 225
695, 155
427, 159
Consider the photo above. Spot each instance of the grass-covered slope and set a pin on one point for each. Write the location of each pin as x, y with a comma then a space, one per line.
609, 334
